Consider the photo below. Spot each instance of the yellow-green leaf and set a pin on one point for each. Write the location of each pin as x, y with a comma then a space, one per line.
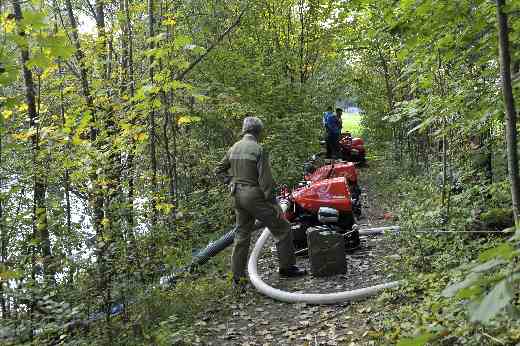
7, 113
186, 119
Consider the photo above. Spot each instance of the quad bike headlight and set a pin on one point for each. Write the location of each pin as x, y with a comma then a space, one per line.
328, 215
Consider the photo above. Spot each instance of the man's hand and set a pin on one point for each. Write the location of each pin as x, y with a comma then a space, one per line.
222, 170
226, 179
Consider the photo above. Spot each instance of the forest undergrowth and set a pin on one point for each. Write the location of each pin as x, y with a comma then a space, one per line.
452, 264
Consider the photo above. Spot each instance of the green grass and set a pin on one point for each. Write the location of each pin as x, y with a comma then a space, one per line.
351, 123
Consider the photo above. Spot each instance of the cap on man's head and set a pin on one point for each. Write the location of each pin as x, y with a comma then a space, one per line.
339, 110
252, 125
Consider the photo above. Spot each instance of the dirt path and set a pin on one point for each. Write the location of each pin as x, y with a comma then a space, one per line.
253, 319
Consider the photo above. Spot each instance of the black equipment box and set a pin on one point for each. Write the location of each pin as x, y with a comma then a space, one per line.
326, 251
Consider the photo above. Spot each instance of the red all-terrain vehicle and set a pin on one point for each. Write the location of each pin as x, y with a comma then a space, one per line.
324, 202
351, 149
337, 169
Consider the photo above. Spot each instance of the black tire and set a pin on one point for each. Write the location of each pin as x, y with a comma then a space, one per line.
346, 220
362, 160
355, 193
299, 236
345, 156
352, 241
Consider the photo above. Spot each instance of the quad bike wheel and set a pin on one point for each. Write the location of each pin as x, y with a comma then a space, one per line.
355, 193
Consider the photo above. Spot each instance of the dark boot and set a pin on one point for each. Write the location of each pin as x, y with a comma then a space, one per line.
292, 272
240, 285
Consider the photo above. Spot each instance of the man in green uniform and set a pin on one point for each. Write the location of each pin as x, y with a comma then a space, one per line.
246, 167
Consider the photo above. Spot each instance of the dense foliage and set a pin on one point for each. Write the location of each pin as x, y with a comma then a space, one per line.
113, 115
434, 112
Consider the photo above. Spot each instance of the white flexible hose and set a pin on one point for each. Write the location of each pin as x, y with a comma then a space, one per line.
309, 298
379, 230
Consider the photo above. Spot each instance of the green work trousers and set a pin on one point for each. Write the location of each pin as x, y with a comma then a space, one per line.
250, 204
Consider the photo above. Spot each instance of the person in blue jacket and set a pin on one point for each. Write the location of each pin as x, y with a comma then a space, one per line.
327, 114
332, 124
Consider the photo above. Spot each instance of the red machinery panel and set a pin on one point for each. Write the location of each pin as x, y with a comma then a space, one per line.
359, 145
347, 170
357, 142
333, 193
348, 144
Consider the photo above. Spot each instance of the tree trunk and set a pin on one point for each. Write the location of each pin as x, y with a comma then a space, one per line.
151, 122
287, 65
130, 159
446, 181
113, 166
101, 38
66, 174
169, 156
509, 104
96, 196
173, 130
106, 255
80, 56
39, 220
302, 42
40, 181
3, 230
388, 84
489, 157
213, 45
66, 179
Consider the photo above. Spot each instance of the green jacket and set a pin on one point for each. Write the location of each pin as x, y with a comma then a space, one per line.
246, 162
